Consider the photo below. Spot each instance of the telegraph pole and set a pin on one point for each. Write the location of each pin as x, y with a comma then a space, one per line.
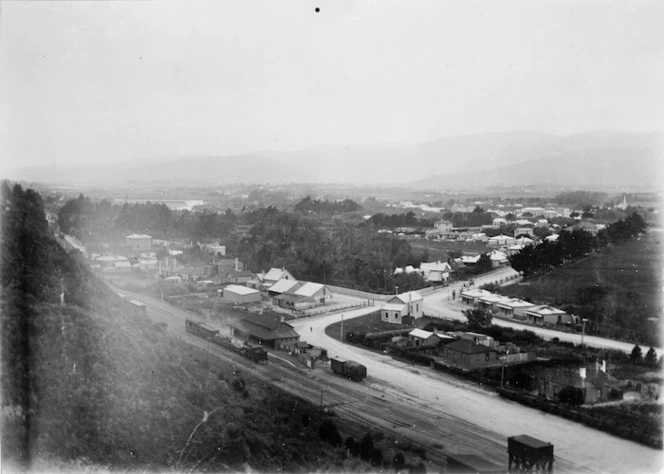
341, 330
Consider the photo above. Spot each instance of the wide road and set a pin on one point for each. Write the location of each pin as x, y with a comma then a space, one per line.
440, 304
462, 410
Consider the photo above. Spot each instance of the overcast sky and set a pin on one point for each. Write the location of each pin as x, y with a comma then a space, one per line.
109, 81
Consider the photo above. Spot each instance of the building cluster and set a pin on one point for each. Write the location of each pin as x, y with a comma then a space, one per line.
437, 272
464, 350
515, 308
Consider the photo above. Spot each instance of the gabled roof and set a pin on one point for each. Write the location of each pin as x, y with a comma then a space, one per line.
494, 298
421, 333
515, 303
276, 274
468, 347
435, 266
137, 236
290, 298
282, 286
308, 289
409, 296
544, 310
394, 307
265, 329
475, 293
241, 273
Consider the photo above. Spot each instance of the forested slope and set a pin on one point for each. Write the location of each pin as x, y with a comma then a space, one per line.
88, 382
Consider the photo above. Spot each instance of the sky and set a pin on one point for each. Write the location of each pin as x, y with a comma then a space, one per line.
100, 81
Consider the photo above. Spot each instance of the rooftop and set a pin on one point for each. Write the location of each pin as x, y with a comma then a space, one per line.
468, 347
241, 290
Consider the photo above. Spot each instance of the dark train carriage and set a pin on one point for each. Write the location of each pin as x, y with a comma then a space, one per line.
256, 353
201, 329
348, 368
529, 454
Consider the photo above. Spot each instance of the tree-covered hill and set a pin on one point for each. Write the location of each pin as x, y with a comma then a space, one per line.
89, 382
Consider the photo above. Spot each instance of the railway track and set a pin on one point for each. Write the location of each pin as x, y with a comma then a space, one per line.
381, 409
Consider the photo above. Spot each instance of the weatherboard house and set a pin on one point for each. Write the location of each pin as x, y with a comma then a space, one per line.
403, 308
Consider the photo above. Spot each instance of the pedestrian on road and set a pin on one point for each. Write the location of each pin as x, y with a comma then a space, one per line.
311, 328
453, 294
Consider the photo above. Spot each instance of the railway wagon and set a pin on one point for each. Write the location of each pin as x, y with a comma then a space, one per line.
138, 305
251, 351
529, 454
348, 368
201, 329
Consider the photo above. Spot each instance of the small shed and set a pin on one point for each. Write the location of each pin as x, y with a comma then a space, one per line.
545, 314
420, 337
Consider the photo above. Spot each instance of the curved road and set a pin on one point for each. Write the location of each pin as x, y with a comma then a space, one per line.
577, 448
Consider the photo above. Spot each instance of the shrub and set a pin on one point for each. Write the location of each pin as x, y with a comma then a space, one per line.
376, 457
366, 446
571, 396
328, 432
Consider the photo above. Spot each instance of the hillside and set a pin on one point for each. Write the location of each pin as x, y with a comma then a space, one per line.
87, 383
599, 160
605, 159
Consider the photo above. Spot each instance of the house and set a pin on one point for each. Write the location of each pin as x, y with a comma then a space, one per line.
473, 295
266, 329
407, 269
274, 275
214, 249
545, 314
314, 291
592, 381
467, 355
513, 308
501, 241
282, 286
256, 281
490, 301
403, 308
412, 301
498, 258
419, 337
436, 272
477, 338
238, 277
237, 294
138, 242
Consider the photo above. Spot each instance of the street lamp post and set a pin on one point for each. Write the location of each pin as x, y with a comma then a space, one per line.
583, 329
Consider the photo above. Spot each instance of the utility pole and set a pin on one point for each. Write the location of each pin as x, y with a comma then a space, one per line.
583, 330
341, 330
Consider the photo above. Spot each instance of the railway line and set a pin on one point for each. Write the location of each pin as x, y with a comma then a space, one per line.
371, 403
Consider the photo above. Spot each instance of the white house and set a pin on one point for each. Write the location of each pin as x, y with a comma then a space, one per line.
545, 314
403, 308
436, 272
513, 308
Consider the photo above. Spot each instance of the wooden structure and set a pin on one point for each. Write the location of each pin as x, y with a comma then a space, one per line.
528, 454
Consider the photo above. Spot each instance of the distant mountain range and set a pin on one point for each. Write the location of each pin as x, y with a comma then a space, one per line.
600, 159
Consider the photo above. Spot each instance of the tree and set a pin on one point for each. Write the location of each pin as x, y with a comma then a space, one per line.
650, 359
636, 357
328, 432
399, 461
477, 318
366, 446
376, 457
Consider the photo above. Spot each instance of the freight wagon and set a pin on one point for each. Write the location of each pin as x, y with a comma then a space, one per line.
349, 369
251, 351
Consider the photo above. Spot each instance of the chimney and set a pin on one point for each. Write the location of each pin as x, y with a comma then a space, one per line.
237, 265
582, 372
604, 366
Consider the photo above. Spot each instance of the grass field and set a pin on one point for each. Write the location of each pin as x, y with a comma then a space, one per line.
618, 289
364, 324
